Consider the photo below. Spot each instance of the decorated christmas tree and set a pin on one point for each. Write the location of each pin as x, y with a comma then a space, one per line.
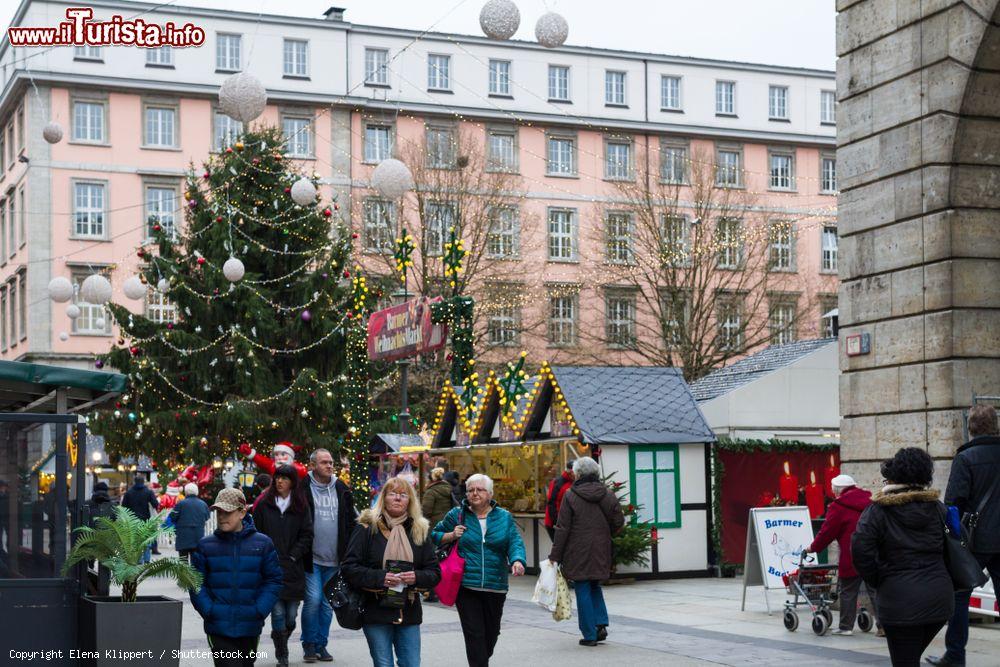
259, 283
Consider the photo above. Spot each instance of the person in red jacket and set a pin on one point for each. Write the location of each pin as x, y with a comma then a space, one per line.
554, 497
841, 520
282, 454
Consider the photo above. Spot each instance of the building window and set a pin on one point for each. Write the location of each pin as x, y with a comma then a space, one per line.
781, 320
502, 325
440, 147
88, 210
559, 83
828, 317
3, 232
675, 313
782, 246
562, 235
617, 160
88, 121
438, 72
296, 57
380, 226
829, 248
3, 159
782, 173
162, 56
12, 224
161, 209
227, 52
93, 318
828, 174
562, 320
827, 107
21, 129
22, 222
729, 242
377, 67
378, 142
730, 319
725, 98
160, 130
226, 131
676, 232
159, 309
561, 153
12, 292
500, 77
654, 484
3, 317
777, 102
673, 163
620, 320
670, 93
298, 135
729, 168
440, 220
614, 88
22, 304
619, 237
87, 52
503, 241
501, 150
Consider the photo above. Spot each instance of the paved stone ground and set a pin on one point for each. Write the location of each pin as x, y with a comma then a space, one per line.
674, 622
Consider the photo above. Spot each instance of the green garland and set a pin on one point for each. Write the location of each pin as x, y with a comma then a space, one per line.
746, 446
403, 254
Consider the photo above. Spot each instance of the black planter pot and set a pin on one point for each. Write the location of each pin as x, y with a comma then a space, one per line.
143, 633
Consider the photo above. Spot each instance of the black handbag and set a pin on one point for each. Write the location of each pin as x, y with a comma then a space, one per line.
348, 603
971, 519
444, 551
966, 572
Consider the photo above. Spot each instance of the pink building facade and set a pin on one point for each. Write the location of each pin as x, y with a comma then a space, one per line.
567, 124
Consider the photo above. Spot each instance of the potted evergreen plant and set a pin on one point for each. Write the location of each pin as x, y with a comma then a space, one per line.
632, 545
142, 629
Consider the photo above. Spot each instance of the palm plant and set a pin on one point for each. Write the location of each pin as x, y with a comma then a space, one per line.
119, 542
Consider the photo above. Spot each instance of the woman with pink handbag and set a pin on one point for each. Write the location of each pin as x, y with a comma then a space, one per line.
490, 544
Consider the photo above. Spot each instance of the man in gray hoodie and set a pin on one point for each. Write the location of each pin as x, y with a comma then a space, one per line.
334, 518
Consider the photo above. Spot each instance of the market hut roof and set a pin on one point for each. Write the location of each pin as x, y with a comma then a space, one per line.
748, 369
632, 405
32, 387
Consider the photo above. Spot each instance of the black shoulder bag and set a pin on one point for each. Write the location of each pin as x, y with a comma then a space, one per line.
348, 603
971, 519
966, 572
443, 552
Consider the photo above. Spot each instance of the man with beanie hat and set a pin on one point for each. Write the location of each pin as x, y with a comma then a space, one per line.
841, 520
283, 453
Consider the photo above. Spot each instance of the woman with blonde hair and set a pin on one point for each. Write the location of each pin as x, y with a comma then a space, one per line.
391, 558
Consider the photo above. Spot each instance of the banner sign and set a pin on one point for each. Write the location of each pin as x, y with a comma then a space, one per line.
404, 331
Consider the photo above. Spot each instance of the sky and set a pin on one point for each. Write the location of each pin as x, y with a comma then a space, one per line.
797, 33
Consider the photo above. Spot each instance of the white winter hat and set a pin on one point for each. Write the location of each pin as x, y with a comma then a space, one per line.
285, 449
843, 481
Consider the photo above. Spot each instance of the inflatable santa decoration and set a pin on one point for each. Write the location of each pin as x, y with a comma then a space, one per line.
283, 453
170, 498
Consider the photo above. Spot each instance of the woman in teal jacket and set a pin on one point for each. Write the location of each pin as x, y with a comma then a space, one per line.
489, 541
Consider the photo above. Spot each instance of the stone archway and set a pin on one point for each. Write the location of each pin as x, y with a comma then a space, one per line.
919, 221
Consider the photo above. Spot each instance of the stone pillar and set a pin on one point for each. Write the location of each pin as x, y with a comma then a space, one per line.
919, 172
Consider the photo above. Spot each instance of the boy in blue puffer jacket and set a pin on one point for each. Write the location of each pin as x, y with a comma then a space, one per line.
242, 580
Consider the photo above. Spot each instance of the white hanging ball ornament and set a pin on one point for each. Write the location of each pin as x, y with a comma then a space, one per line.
63, 336
233, 269
72, 311
392, 179
303, 192
96, 289
134, 289
53, 132
242, 97
99, 322
60, 289
499, 19
162, 285
551, 30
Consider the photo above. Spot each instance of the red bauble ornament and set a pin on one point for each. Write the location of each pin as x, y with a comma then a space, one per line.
218, 218
229, 150
347, 274
170, 325
157, 228
201, 260
140, 252
354, 235
118, 404
177, 415
134, 350
327, 212
288, 191
256, 160
205, 175
277, 156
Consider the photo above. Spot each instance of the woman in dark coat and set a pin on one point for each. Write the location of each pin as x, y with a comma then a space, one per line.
392, 532
282, 514
898, 548
188, 518
589, 516
437, 500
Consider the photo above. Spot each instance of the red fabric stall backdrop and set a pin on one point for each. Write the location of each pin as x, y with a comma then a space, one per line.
752, 479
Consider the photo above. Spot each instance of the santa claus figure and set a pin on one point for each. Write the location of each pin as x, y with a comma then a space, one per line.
283, 453
201, 476
171, 497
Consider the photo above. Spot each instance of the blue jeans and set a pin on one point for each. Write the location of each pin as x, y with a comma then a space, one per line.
317, 614
590, 607
147, 555
283, 615
382, 638
957, 635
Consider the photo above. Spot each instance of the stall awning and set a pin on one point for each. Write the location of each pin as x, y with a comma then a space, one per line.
383, 443
33, 386
632, 405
